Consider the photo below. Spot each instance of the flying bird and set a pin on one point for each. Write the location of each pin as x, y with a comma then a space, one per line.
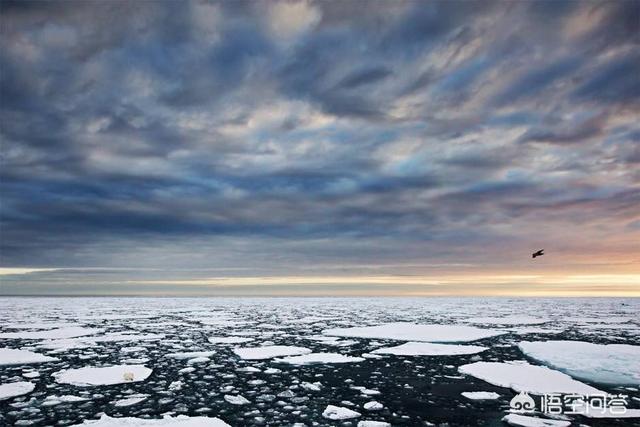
539, 253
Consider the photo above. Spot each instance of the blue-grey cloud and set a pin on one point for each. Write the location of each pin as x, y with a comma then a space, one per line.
235, 133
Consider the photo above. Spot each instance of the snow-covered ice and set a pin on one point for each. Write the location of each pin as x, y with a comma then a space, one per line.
416, 332
60, 333
90, 376
507, 320
313, 358
236, 399
168, 421
130, 401
10, 356
268, 352
339, 413
19, 388
191, 354
526, 421
525, 377
429, 349
480, 395
599, 363
229, 340
373, 424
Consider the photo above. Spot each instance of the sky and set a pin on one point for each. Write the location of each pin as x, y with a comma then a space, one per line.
320, 148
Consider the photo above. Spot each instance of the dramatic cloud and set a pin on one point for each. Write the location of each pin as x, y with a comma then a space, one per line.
280, 137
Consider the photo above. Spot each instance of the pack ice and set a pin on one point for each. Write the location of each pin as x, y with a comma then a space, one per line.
179, 421
521, 376
415, 332
109, 375
599, 363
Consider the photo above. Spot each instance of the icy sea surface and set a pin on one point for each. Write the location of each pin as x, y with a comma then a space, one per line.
310, 361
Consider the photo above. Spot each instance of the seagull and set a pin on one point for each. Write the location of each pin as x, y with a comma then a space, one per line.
539, 253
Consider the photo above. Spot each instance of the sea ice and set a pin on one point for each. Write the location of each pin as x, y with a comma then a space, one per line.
339, 413
599, 363
430, 349
480, 395
373, 424
508, 320
312, 358
56, 400
415, 332
191, 355
236, 400
19, 388
70, 332
521, 376
11, 356
229, 340
524, 421
89, 376
167, 421
267, 352
373, 406
130, 401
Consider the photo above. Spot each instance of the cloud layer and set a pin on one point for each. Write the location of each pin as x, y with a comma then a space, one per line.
275, 136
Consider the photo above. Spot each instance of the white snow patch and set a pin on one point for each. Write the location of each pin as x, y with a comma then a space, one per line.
267, 352
19, 388
11, 356
430, 349
167, 421
312, 358
339, 413
480, 395
416, 332
524, 421
599, 363
521, 376
90, 376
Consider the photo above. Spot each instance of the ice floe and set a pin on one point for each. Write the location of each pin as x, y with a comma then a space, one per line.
339, 413
416, 332
480, 395
373, 424
413, 348
19, 388
313, 358
130, 401
57, 400
268, 352
167, 421
90, 376
523, 377
507, 320
60, 333
229, 340
526, 421
191, 355
599, 363
236, 399
11, 356
373, 406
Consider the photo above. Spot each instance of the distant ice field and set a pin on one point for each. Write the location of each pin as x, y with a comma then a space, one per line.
312, 361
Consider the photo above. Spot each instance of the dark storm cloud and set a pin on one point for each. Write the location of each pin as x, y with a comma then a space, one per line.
154, 133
